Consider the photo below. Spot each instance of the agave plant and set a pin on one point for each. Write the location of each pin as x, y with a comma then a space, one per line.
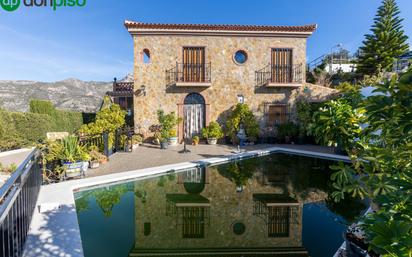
71, 150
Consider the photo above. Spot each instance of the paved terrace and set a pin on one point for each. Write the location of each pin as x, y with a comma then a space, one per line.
147, 156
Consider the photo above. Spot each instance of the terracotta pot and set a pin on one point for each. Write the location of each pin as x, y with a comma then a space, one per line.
94, 164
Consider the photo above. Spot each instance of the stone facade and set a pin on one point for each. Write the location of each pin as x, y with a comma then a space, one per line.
228, 79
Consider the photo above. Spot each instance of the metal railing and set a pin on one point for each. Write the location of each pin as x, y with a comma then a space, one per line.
18, 197
189, 72
279, 74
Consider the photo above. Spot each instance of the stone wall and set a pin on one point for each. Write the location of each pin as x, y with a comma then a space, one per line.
229, 79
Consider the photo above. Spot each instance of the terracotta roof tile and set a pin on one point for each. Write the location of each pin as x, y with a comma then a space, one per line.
205, 27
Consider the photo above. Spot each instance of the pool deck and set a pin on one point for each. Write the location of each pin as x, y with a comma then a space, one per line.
147, 156
54, 230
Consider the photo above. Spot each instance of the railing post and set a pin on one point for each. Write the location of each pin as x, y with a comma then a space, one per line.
106, 143
177, 72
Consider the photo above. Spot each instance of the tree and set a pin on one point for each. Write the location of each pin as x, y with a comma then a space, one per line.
386, 42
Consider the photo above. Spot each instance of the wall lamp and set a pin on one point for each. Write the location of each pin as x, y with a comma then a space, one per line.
141, 91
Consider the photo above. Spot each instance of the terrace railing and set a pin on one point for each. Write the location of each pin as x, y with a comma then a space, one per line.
18, 198
123, 86
279, 74
189, 73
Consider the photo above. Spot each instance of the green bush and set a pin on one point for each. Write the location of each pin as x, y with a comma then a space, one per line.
337, 124
64, 121
18, 129
167, 122
32, 127
241, 114
110, 118
212, 131
22, 129
288, 129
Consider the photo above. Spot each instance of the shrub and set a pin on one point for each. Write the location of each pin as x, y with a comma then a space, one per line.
63, 121
241, 114
110, 118
22, 129
67, 150
167, 122
212, 131
8, 169
288, 129
337, 124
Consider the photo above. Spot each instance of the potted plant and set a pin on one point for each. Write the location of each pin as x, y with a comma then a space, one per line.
73, 157
356, 242
195, 140
137, 140
96, 158
167, 123
212, 133
173, 137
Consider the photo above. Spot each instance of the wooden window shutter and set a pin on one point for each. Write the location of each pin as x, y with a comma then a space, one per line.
282, 65
193, 64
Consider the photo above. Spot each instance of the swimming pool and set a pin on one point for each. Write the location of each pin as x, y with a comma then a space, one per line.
275, 204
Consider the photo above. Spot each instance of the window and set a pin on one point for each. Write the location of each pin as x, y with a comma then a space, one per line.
240, 57
147, 228
277, 114
193, 222
281, 65
146, 56
194, 64
278, 224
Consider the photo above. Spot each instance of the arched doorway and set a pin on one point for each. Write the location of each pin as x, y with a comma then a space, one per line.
193, 115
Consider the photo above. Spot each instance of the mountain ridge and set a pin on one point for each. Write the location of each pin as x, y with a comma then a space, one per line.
68, 94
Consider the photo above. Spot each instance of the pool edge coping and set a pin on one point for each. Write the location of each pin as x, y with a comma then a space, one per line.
61, 195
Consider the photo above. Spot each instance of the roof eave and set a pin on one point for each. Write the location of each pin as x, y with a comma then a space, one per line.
169, 32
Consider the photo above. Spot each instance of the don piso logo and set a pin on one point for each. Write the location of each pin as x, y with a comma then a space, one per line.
13, 5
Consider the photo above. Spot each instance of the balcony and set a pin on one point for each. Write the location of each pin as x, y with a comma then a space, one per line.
280, 76
122, 89
189, 75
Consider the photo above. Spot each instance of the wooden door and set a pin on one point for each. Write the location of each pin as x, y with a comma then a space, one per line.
193, 64
281, 65
277, 114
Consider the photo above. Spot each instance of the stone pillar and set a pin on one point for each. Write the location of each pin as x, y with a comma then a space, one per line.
207, 114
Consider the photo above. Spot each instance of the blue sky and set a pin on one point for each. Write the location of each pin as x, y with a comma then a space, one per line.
91, 43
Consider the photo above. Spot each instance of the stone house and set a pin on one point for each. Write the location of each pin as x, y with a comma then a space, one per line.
201, 71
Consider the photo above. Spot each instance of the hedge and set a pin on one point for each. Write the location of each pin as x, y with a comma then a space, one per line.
22, 129
18, 129
64, 121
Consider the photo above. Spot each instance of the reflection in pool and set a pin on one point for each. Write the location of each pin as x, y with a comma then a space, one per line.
275, 205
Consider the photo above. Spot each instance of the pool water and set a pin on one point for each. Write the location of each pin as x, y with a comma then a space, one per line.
274, 205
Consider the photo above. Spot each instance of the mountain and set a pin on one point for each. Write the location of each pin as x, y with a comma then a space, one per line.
69, 94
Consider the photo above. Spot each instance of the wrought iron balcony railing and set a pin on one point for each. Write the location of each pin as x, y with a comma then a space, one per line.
189, 74
123, 87
280, 75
